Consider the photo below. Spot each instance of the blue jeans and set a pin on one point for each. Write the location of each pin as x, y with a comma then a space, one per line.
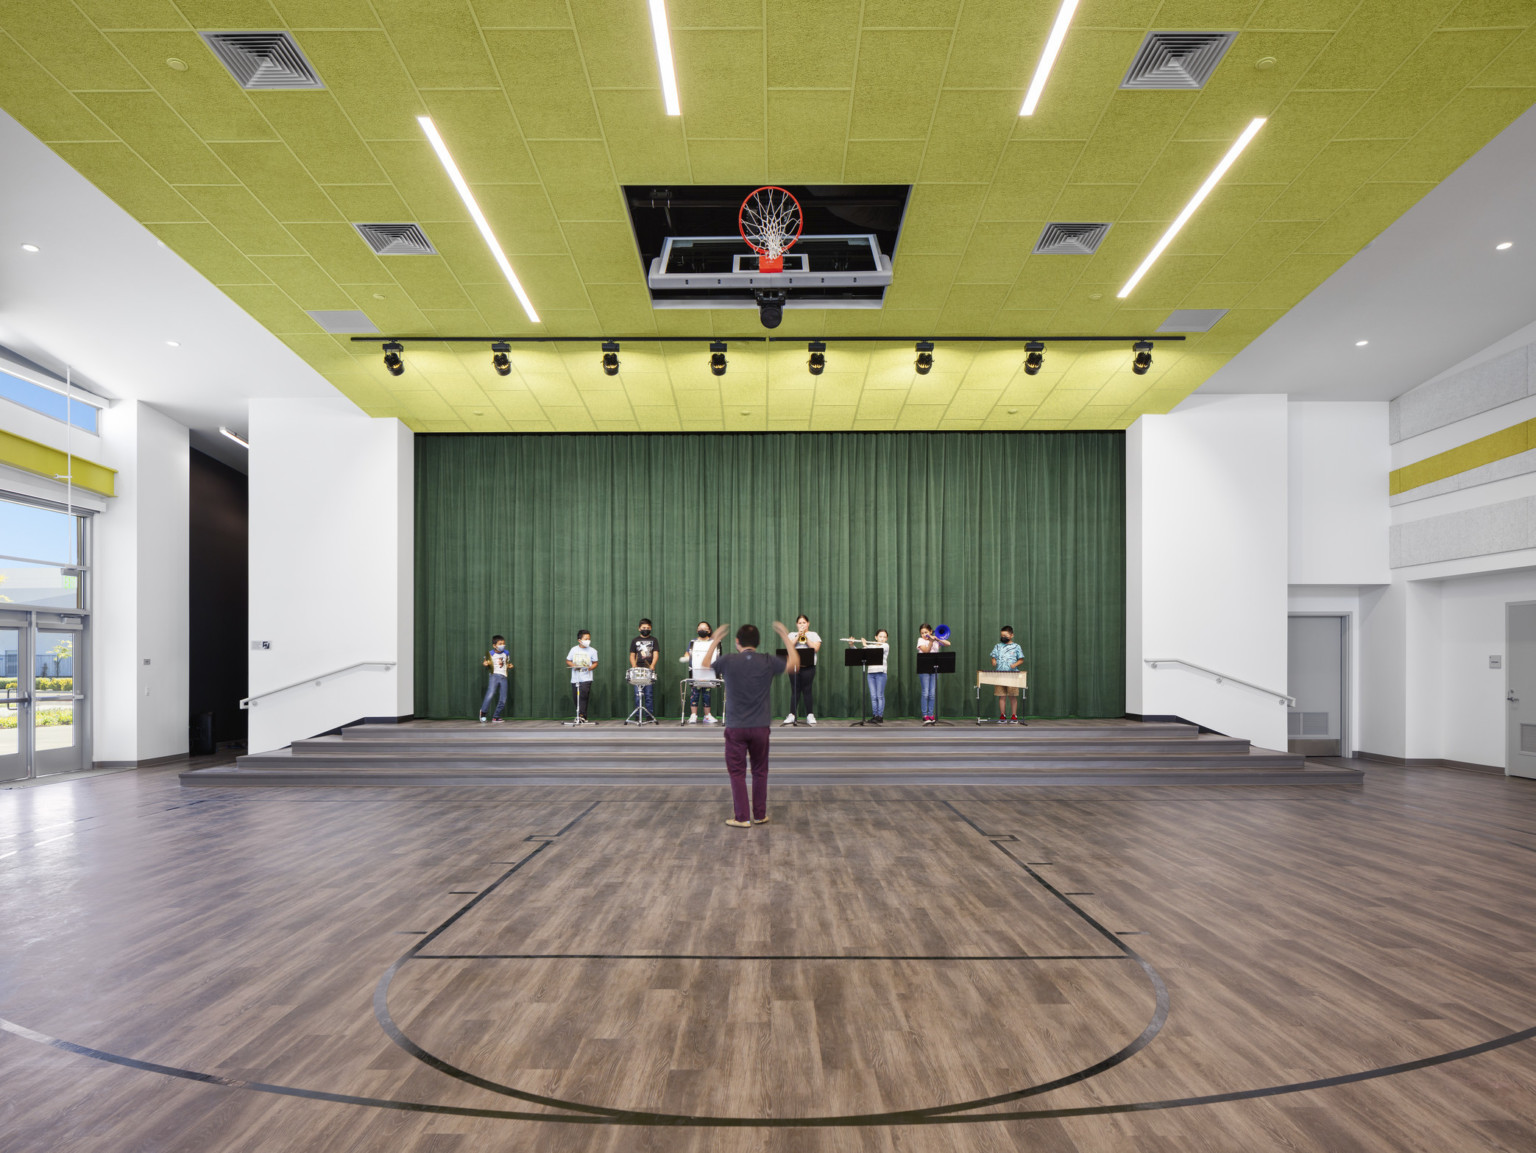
929, 683
697, 697
876, 693
498, 685
646, 694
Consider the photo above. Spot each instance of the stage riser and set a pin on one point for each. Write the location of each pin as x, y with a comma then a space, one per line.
242, 778
968, 731
715, 750
782, 765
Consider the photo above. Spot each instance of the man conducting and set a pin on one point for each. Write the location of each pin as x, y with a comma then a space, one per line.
748, 675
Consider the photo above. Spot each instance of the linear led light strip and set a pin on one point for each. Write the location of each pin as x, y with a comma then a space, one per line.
479, 217
1194, 202
664, 56
1047, 58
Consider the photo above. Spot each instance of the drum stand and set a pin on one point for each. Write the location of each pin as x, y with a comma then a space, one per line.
640, 711
578, 721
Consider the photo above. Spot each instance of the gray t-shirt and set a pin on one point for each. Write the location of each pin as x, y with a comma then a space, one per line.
748, 676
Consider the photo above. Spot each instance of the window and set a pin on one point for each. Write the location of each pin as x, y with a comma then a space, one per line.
48, 402
42, 557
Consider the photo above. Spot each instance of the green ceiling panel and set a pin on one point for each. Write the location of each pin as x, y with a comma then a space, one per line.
550, 105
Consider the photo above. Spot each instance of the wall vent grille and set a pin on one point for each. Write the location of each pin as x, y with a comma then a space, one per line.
1070, 239
263, 60
396, 239
1177, 59
1192, 320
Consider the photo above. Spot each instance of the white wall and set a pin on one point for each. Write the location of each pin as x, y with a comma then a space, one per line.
139, 631
1207, 542
1339, 460
332, 553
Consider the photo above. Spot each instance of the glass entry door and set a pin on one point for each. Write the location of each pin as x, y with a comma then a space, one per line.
42, 695
15, 716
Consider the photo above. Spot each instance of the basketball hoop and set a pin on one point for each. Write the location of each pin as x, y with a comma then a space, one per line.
770, 223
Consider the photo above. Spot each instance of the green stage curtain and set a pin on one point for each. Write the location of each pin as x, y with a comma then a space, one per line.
537, 536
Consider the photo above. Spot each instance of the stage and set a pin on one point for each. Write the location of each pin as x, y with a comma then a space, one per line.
1042, 753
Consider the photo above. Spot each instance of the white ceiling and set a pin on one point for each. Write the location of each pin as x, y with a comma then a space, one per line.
103, 296
1427, 293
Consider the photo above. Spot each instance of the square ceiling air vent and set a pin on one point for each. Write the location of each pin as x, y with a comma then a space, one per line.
1177, 59
1192, 320
343, 320
262, 59
396, 239
1070, 239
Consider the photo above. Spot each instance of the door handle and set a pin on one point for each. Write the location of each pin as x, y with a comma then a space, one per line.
1513, 700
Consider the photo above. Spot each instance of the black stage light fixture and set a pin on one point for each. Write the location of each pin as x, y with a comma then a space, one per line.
392, 359
1035, 359
818, 362
1143, 361
924, 363
717, 357
611, 357
499, 359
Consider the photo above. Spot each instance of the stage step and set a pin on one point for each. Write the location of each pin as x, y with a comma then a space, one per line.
900, 753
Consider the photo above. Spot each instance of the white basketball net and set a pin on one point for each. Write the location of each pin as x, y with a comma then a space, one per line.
770, 221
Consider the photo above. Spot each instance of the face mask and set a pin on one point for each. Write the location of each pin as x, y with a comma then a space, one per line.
1004, 637
584, 642
501, 648
645, 632
703, 632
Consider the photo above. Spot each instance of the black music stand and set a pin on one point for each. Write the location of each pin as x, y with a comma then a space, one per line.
936, 663
864, 658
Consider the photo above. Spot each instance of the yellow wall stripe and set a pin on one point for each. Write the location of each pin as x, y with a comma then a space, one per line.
1463, 458
28, 455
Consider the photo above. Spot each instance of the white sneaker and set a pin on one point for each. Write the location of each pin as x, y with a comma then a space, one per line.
789, 720
810, 718
693, 718
482, 718
710, 720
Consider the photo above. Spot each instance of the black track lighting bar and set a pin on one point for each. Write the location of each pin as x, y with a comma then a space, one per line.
939, 340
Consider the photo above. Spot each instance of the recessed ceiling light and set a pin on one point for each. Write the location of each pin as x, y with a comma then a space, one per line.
475, 214
664, 57
34, 248
1048, 56
240, 440
175, 64
1361, 343
173, 344
1497, 247
1194, 202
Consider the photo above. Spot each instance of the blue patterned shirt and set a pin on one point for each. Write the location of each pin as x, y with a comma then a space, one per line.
1007, 655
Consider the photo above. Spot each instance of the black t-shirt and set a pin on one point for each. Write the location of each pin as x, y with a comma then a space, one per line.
748, 677
643, 648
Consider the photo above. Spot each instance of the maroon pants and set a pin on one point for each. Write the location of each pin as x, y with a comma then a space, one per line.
740, 746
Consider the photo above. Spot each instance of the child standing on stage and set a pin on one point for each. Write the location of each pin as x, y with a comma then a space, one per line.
928, 683
699, 661
875, 674
581, 660
806, 645
1006, 657
498, 660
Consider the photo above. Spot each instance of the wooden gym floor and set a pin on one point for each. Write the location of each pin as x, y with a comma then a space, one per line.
1329, 968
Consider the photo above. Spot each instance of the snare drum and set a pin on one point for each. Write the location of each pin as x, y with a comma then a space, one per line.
638, 676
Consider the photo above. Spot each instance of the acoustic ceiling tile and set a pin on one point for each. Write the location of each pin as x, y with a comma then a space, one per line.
1029, 178
1515, 66
462, 247
159, 137
882, 161
1436, 71
615, 43
137, 188
1045, 282
996, 253
728, 161
414, 170
1084, 80
205, 95
807, 135
520, 217
40, 103
940, 217
1462, 126
273, 308
1373, 43
605, 253
1091, 202
521, 13
897, 86
1062, 404
304, 14
546, 82
396, 313
920, 280
109, 14
1171, 280
983, 27
479, 129
439, 42
622, 309
644, 144
428, 281
812, 43
579, 179
275, 176
1233, 210
1131, 134
970, 130
1364, 216
1259, 250
207, 250
324, 140
720, 74
362, 70
64, 42
1331, 179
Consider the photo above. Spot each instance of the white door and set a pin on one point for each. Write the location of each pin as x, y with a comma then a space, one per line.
1520, 677
1316, 663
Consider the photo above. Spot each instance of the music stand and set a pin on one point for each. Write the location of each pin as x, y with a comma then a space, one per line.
936, 663
864, 658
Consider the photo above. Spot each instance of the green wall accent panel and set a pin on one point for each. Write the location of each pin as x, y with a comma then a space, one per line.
535, 537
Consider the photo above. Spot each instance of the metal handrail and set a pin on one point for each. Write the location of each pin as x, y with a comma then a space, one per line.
1222, 677
251, 700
